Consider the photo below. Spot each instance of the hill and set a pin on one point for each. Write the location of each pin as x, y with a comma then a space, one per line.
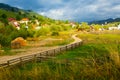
15, 22
9, 8
7, 11
104, 21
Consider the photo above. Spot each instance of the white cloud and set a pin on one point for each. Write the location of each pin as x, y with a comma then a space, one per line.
73, 9
54, 13
76, 10
48, 2
116, 8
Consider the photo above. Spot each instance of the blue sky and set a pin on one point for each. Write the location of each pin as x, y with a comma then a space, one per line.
78, 10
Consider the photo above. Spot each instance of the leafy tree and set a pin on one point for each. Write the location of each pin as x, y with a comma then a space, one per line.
5, 40
23, 33
55, 34
66, 21
83, 26
18, 17
56, 27
4, 16
43, 31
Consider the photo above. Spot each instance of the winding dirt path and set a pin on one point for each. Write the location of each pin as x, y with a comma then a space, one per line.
76, 39
4, 59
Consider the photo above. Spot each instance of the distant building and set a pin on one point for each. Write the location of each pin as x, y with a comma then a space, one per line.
24, 20
14, 23
113, 28
11, 19
38, 27
72, 24
119, 27
37, 22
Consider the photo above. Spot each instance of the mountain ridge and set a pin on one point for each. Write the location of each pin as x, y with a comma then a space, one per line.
109, 20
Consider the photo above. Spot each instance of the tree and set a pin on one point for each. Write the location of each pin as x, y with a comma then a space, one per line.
83, 26
18, 17
43, 31
4, 19
56, 28
4, 16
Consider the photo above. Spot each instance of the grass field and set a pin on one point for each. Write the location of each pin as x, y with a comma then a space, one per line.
64, 37
96, 59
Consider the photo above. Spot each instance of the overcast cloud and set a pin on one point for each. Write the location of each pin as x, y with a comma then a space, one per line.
78, 10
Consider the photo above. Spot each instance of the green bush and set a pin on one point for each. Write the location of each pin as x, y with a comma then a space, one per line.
56, 28
42, 32
55, 34
5, 40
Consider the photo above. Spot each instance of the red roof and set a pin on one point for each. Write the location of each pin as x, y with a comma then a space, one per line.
11, 19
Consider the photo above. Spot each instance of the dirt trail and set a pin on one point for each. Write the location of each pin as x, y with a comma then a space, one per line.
30, 51
76, 39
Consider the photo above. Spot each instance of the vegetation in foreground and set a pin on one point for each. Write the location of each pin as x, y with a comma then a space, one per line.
96, 59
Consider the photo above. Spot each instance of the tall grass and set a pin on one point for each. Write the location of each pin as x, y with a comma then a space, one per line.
97, 59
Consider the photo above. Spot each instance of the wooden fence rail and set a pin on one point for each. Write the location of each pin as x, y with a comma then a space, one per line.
40, 56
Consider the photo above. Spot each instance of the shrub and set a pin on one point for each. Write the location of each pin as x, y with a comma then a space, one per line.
56, 28
5, 40
55, 34
43, 31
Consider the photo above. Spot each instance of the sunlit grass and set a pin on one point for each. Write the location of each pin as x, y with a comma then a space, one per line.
63, 38
96, 59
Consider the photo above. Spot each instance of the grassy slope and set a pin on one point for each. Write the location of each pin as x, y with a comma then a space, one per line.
91, 61
8, 13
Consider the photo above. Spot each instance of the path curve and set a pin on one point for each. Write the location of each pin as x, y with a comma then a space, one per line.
4, 59
76, 39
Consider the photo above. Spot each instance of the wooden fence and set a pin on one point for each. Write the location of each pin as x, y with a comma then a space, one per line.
48, 54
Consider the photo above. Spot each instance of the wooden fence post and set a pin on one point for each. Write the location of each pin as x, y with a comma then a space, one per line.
35, 57
71, 46
46, 53
8, 63
75, 44
60, 49
40, 54
54, 52
66, 47
20, 60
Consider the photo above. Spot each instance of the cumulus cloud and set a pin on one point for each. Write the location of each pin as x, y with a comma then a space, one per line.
78, 10
85, 10
50, 2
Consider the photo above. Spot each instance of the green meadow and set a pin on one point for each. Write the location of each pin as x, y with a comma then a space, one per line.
97, 59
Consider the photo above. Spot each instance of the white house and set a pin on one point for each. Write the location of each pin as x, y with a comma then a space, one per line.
119, 27
72, 24
113, 28
38, 27
37, 22
24, 20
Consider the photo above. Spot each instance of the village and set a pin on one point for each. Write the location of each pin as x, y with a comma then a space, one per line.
59, 40
26, 21
39, 28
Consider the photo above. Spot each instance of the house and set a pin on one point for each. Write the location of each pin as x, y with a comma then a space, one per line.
72, 24
24, 20
37, 22
45, 25
101, 29
14, 23
119, 27
113, 28
38, 27
17, 25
